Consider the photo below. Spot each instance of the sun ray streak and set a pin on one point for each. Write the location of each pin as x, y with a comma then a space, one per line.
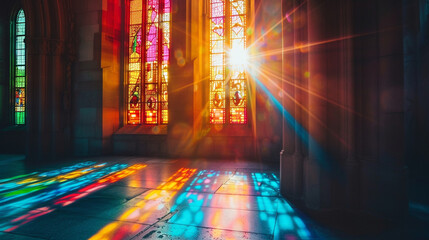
303, 46
270, 74
324, 125
277, 24
317, 151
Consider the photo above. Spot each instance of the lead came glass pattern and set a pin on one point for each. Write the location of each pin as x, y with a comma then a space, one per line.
165, 27
238, 87
150, 48
20, 74
217, 61
135, 62
236, 82
151, 87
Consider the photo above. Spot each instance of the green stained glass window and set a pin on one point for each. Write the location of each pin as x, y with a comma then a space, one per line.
19, 73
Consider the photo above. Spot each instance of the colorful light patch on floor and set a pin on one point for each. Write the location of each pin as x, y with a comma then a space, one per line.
208, 181
218, 210
154, 200
43, 184
91, 179
36, 177
186, 204
190, 207
16, 177
238, 211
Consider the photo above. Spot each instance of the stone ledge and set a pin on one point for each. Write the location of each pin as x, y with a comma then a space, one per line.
142, 130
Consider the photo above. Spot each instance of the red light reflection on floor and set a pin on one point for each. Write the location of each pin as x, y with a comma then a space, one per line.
69, 199
102, 183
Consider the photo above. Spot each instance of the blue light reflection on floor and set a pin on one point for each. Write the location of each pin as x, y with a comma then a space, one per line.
68, 169
42, 184
273, 213
288, 224
16, 177
192, 201
207, 181
56, 190
35, 177
258, 208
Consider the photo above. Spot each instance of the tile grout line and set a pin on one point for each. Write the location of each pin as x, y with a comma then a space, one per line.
235, 171
223, 229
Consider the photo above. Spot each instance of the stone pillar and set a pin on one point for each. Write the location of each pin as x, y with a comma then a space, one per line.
315, 178
294, 69
56, 91
180, 87
392, 171
110, 62
379, 99
87, 81
288, 135
351, 164
301, 76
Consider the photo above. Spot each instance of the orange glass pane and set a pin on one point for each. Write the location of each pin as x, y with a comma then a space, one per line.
135, 62
148, 61
217, 62
237, 61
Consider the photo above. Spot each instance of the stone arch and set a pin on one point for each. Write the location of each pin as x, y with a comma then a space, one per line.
50, 47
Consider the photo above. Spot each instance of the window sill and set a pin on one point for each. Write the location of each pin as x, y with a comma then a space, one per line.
142, 130
229, 130
13, 128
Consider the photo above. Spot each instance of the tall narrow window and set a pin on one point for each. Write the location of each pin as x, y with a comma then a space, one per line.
148, 61
19, 69
228, 82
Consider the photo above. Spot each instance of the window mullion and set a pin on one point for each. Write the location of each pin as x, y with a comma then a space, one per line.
227, 65
143, 63
159, 60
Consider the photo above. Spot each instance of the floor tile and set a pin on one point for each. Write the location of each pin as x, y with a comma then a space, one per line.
11, 236
259, 190
226, 219
119, 230
148, 209
95, 206
226, 201
121, 192
60, 225
183, 232
136, 181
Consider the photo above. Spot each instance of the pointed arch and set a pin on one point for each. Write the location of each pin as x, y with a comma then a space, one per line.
19, 69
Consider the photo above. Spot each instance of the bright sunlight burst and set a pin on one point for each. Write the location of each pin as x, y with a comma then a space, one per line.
238, 56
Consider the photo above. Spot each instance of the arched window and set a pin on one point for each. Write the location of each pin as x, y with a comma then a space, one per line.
228, 81
19, 73
148, 61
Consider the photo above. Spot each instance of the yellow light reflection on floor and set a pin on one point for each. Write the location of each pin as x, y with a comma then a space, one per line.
145, 208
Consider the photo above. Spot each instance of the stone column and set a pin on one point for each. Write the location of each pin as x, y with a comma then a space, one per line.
288, 80
180, 87
351, 165
39, 140
315, 186
56, 89
391, 166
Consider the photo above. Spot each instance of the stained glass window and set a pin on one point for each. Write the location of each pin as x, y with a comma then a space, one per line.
228, 99
148, 61
19, 74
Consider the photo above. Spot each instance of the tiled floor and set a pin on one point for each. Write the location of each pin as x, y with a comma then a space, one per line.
139, 198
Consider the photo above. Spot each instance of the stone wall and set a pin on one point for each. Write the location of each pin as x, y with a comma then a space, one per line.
349, 117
